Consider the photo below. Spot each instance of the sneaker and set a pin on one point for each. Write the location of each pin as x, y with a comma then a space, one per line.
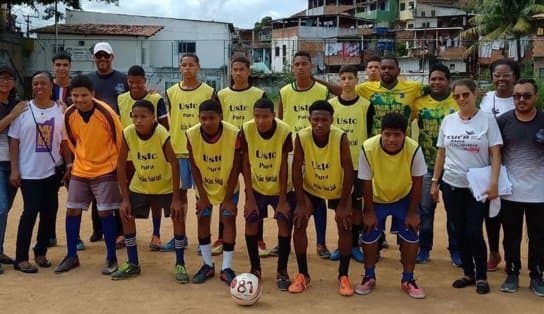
412, 289
422, 256
25, 267
6, 260
366, 286
52, 242
510, 284
493, 262
335, 255
322, 251
256, 272
482, 287
263, 252
120, 242
217, 247
300, 284
68, 263
537, 286
456, 259
227, 275
357, 254
127, 270
204, 273
109, 268
170, 246
283, 282
80, 246
155, 244
345, 289
95, 237
181, 274
275, 251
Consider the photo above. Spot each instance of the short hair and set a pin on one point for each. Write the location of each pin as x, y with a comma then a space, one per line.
190, 55
348, 69
264, 103
303, 53
441, 68
241, 59
136, 70
513, 65
321, 105
210, 105
395, 121
470, 84
62, 55
528, 81
143, 103
82, 81
392, 58
47, 74
373, 59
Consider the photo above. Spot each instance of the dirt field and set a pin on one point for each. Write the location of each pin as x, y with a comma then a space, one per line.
85, 290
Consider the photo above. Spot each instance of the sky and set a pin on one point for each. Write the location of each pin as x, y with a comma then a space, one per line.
242, 13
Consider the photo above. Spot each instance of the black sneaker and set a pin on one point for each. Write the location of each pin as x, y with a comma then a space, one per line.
283, 281
67, 264
482, 287
510, 284
4, 259
227, 275
204, 273
256, 272
96, 236
537, 286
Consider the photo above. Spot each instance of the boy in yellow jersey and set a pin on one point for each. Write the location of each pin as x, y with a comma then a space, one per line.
353, 114
295, 99
431, 110
184, 99
138, 90
154, 184
391, 166
214, 152
322, 151
266, 141
372, 69
237, 105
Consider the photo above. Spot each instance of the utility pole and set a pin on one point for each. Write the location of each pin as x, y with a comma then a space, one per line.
27, 21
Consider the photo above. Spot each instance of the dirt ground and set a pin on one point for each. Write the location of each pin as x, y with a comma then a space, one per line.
85, 290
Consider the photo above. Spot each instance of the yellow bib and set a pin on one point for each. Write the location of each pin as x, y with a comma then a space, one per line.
391, 174
214, 161
352, 120
297, 102
153, 172
237, 105
125, 102
265, 156
323, 172
184, 113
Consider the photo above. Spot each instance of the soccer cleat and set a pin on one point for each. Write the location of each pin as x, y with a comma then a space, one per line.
127, 270
4, 259
256, 272
357, 254
537, 286
366, 286
275, 251
155, 243
227, 275
68, 263
170, 246
456, 259
510, 284
204, 273
335, 255
283, 282
109, 268
217, 247
493, 262
300, 284
422, 256
181, 274
322, 251
412, 289
263, 252
345, 289
80, 246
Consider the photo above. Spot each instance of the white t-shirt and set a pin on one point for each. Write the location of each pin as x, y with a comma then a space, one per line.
491, 103
419, 167
467, 145
34, 159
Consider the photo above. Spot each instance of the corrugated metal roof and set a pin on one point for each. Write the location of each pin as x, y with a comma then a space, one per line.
102, 29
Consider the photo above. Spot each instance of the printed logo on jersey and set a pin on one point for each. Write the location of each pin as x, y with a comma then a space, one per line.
46, 129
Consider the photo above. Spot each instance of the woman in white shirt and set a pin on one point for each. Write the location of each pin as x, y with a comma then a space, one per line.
467, 139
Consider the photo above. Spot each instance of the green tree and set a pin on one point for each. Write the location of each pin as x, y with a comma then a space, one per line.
265, 21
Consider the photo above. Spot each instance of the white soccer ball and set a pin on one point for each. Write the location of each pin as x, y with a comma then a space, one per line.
246, 289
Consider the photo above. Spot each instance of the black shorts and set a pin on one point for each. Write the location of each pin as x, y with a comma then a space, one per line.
263, 201
356, 195
141, 203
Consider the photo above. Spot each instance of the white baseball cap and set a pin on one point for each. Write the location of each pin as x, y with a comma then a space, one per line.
103, 46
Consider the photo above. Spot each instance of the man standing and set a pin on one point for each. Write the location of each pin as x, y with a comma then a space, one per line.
522, 130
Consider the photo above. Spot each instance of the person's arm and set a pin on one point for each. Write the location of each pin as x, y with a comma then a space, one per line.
176, 206
370, 119
301, 210
203, 201
228, 204
283, 204
495, 156
418, 170
162, 114
21, 107
280, 109
343, 210
437, 173
251, 204
365, 174
333, 88
15, 176
124, 210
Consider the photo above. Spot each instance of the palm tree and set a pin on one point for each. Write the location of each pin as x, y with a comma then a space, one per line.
502, 20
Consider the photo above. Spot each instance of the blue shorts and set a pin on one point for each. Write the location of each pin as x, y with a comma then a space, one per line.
187, 181
207, 212
262, 206
398, 212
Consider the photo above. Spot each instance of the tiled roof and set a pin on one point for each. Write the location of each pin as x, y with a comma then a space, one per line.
102, 29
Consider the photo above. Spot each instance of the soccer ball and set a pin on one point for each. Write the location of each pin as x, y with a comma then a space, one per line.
245, 289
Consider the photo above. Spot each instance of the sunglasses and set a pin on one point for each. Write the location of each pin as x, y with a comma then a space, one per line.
6, 78
525, 96
462, 95
102, 55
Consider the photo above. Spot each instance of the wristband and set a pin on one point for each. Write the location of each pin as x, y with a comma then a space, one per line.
434, 180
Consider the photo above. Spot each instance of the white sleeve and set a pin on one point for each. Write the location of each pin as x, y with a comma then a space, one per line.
364, 168
15, 128
419, 167
486, 105
493, 132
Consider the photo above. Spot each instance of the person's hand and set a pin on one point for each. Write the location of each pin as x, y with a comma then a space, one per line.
125, 211
21, 107
412, 221
250, 207
63, 105
284, 209
369, 222
492, 191
15, 178
67, 176
201, 204
229, 206
301, 215
176, 209
343, 216
434, 191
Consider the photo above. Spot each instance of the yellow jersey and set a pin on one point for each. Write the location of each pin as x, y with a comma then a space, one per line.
125, 102
237, 105
297, 102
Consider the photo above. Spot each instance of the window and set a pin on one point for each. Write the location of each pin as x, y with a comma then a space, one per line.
541, 72
382, 6
373, 7
422, 13
410, 25
452, 67
403, 6
411, 5
433, 13
187, 47
284, 50
277, 51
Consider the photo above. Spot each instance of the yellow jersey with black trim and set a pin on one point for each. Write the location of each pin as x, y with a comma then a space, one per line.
352, 120
296, 103
400, 99
125, 102
265, 156
323, 172
184, 105
237, 105
153, 172
391, 174
214, 160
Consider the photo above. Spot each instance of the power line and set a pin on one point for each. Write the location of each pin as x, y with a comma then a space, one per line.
27, 21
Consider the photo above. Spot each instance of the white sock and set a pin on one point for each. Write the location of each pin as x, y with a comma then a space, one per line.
227, 259
206, 251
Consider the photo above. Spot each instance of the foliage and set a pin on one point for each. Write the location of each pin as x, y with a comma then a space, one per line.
265, 21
